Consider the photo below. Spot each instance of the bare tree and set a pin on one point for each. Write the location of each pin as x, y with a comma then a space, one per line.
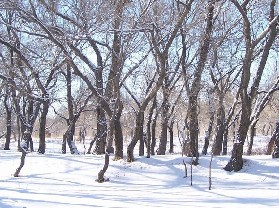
248, 96
194, 89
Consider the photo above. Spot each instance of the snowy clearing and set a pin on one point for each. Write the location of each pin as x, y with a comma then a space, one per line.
56, 180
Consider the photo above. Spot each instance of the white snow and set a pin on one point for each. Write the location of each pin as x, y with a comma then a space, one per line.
56, 180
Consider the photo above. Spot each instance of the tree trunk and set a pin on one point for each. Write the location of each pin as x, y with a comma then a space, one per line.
64, 144
207, 136
101, 132
163, 138
70, 138
91, 144
193, 127
171, 137
118, 139
217, 146
164, 124
101, 177
141, 144
196, 84
236, 161
275, 153
251, 140
225, 141
148, 128
153, 134
23, 150
247, 98
8, 121
42, 129
271, 144
138, 133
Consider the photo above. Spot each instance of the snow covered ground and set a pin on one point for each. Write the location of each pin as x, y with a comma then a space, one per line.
56, 180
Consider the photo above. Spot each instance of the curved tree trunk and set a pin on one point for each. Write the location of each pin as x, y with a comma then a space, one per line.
247, 98
138, 133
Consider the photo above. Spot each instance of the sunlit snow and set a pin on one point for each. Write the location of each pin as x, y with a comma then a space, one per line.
56, 180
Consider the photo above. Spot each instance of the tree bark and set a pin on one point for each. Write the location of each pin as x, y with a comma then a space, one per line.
102, 172
171, 150
196, 85
164, 121
275, 153
8, 108
138, 133
148, 129
225, 141
210, 124
42, 128
100, 146
23, 150
91, 144
217, 146
236, 162
118, 138
153, 134
251, 140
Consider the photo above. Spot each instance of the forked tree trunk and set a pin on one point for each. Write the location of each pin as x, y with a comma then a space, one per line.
138, 133
68, 138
